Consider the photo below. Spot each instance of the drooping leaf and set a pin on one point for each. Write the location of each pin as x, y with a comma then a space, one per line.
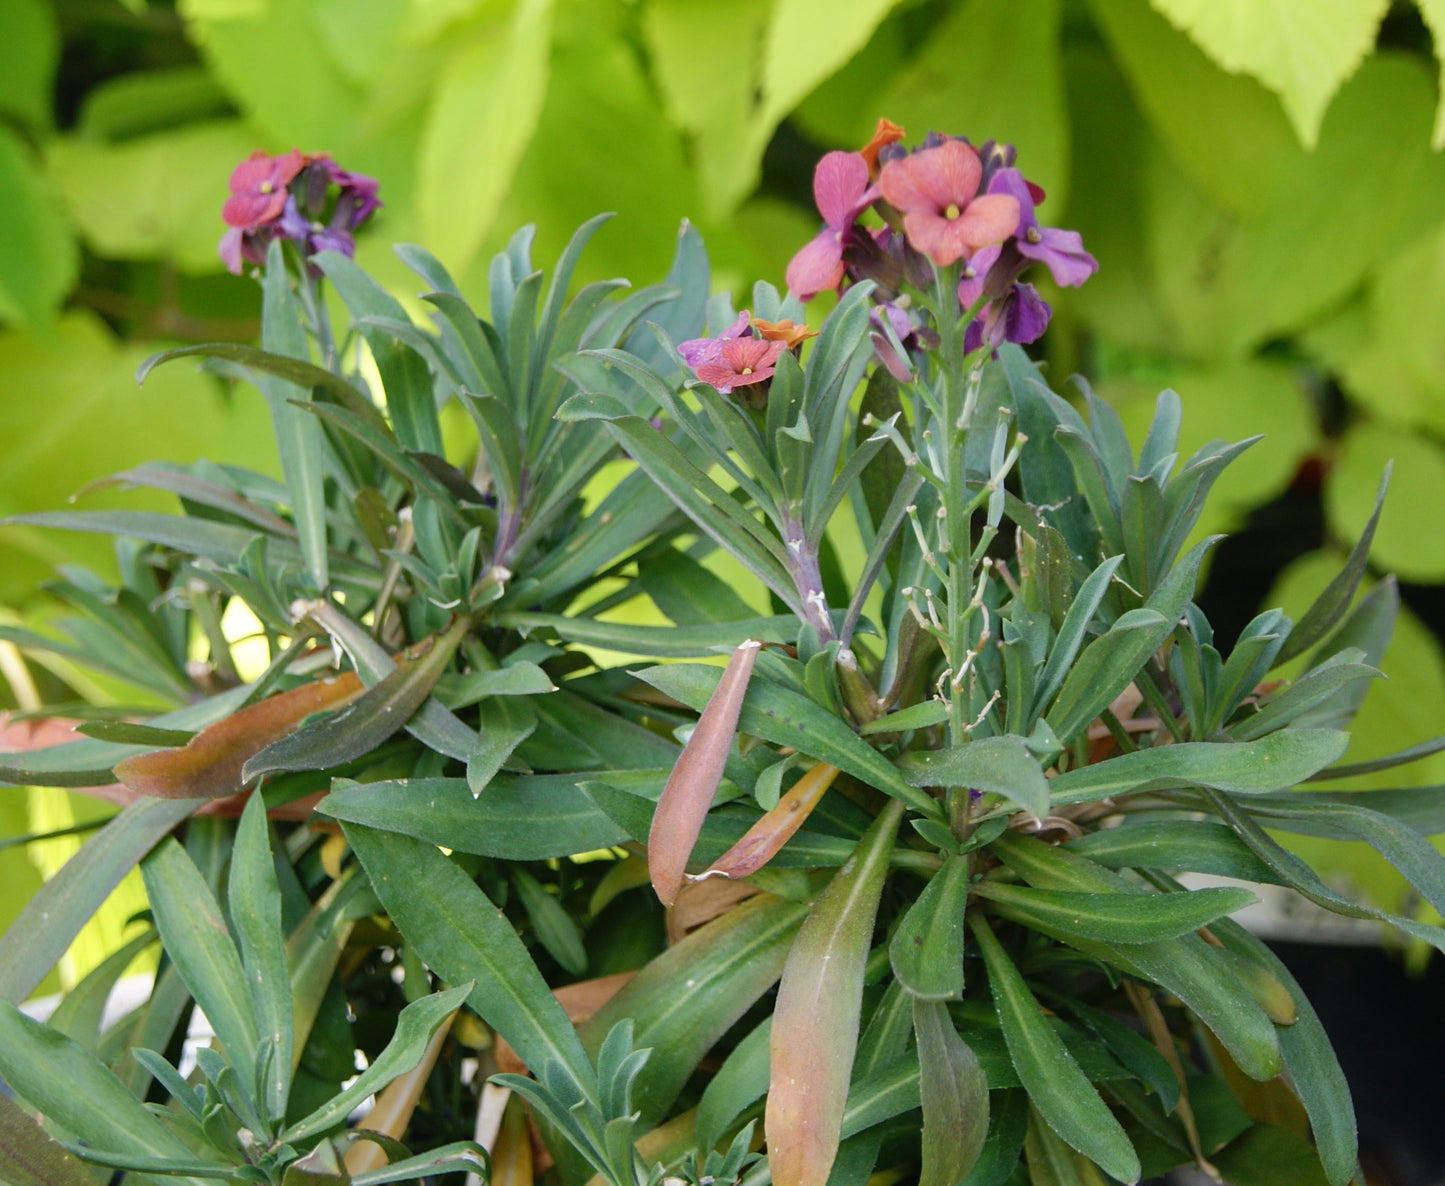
954, 1094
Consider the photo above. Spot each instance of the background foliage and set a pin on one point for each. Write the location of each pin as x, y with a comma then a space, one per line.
1258, 183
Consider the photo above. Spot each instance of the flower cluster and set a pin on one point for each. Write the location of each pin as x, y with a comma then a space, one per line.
943, 203
304, 197
743, 355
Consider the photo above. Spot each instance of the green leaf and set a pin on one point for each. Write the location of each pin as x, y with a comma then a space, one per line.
926, 950
484, 109
28, 1157
1297, 874
1267, 1155
1056, 1085
463, 936
380, 711
74, 1090
81, 1011
505, 724
552, 925
1301, 53
453, 1158
298, 436
786, 718
404, 375
1272, 763
30, 35
501, 823
1309, 1056
999, 765
39, 264
1073, 631
742, 1078
954, 1094
684, 1000
415, 1026
662, 641
1115, 918
1196, 846
917, 716
1185, 967
816, 1018
195, 935
64, 904
254, 898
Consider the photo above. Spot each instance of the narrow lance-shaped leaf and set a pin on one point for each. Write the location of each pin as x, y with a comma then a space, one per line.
954, 1093
65, 903
927, 948
815, 1022
28, 1157
694, 780
209, 765
255, 901
775, 829
1058, 1088
374, 716
196, 937
1116, 918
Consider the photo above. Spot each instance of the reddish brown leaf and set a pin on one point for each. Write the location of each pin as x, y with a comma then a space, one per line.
770, 833
694, 780
209, 765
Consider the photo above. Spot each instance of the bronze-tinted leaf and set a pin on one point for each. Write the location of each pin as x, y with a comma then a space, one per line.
209, 765
774, 830
694, 780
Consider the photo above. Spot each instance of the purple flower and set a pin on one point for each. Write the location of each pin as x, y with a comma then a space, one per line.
304, 198
1021, 316
697, 351
1062, 251
842, 192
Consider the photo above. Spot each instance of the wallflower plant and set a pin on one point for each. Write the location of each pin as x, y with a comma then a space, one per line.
894, 890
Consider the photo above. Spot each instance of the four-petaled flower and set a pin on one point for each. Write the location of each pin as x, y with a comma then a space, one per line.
1062, 251
841, 189
741, 362
258, 188
944, 216
697, 351
785, 331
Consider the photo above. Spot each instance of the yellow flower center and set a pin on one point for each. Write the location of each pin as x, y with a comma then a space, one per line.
747, 370
951, 212
267, 187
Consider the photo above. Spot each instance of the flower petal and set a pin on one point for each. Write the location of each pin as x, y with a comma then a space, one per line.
839, 183
818, 266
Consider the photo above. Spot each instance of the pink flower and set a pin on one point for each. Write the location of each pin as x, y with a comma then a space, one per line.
944, 217
258, 188
841, 189
741, 362
696, 351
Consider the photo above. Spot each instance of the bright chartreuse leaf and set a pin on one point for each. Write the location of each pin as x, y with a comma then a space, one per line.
1301, 49
1318, 223
482, 116
1375, 344
39, 262
273, 62
690, 39
1013, 91
29, 50
1434, 13
95, 421
1407, 541
155, 196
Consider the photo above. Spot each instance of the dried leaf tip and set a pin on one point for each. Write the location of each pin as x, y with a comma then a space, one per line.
694, 780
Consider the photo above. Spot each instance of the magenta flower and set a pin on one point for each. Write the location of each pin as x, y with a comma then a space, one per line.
305, 198
258, 188
696, 351
1062, 251
841, 189
741, 362
944, 216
